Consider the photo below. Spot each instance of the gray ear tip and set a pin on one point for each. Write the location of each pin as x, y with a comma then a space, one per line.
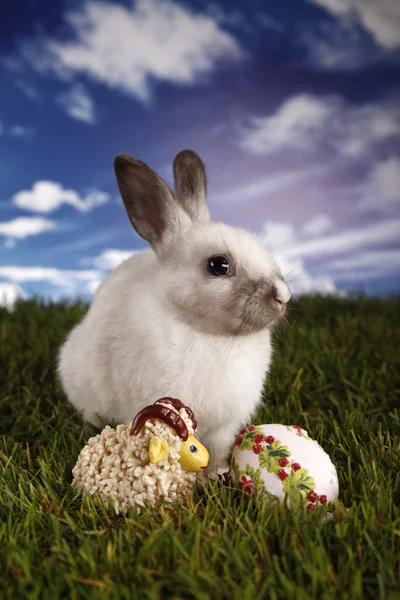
123, 161
187, 156
187, 153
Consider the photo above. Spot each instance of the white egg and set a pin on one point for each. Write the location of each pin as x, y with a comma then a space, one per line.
286, 462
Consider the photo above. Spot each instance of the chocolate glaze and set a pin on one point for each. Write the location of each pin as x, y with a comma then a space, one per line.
167, 415
178, 404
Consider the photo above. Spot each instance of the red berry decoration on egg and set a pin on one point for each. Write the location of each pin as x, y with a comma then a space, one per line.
282, 462
238, 441
258, 438
312, 496
323, 499
257, 448
282, 474
245, 482
311, 507
296, 466
270, 439
251, 428
243, 431
247, 485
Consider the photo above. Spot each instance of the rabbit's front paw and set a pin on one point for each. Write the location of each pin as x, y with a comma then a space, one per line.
213, 474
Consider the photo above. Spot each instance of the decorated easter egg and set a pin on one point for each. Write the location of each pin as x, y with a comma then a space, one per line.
285, 462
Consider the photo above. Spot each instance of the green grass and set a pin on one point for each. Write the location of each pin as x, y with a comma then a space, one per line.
336, 373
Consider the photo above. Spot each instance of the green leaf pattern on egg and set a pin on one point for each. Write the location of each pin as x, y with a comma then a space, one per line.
256, 477
269, 456
297, 485
247, 441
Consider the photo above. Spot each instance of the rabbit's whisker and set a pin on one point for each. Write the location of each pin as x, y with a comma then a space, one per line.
292, 271
297, 279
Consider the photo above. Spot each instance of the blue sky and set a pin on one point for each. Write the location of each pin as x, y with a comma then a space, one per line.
294, 106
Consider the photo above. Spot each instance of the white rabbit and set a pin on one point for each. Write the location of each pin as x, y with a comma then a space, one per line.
189, 318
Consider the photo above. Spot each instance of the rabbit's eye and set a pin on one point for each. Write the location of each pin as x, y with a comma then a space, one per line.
218, 265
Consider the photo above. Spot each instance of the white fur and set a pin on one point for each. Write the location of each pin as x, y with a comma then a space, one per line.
129, 350
151, 330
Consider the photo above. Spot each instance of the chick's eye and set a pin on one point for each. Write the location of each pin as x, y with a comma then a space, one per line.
193, 448
218, 266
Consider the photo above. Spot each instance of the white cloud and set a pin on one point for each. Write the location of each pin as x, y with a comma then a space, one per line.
228, 16
382, 259
9, 293
126, 48
278, 236
318, 225
382, 189
109, 259
23, 227
293, 252
47, 196
346, 241
308, 123
366, 265
269, 185
93, 284
338, 46
292, 125
17, 131
78, 104
302, 282
381, 18
21, 131
66, 279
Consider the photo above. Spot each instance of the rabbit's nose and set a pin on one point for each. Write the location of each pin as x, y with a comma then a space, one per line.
279, 300
281, 293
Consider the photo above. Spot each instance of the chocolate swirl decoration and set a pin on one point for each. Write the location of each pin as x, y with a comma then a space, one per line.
167, 415
178, 404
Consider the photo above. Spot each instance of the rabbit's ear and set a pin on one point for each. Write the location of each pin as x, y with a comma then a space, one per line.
151, 206
190, 185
